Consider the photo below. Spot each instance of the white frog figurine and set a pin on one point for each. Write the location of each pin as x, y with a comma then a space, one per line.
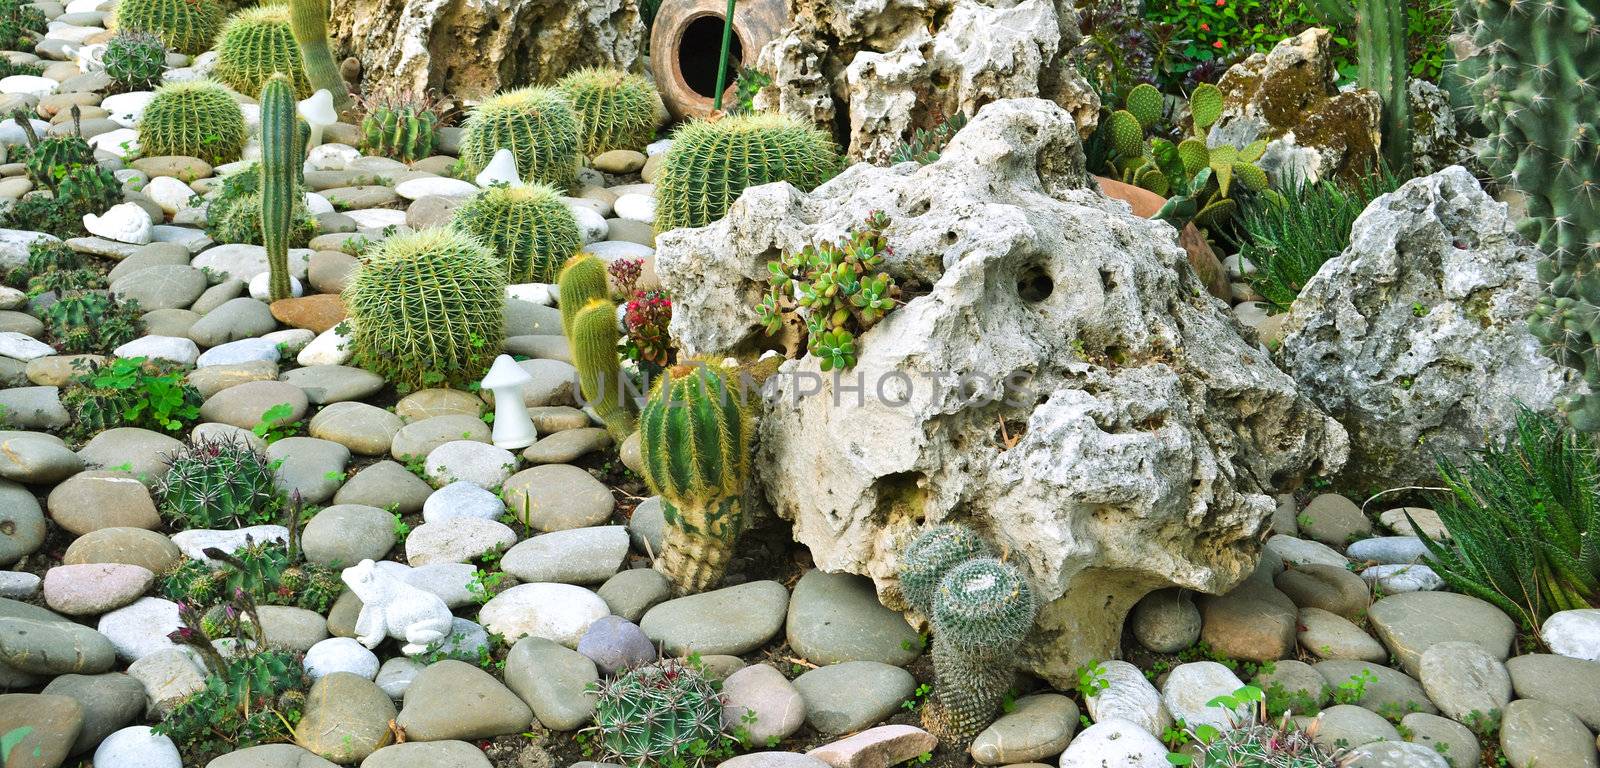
392, 608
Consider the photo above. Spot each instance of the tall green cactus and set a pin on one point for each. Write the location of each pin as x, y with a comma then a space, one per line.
308, 19
695, 448
594, 353
1532, 76
582, 280
280, 177
1381, 59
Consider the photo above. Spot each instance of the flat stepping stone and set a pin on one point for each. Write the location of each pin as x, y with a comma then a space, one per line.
456, 700
1411, 622
575, 556
734, 620
1038, 727
141, 452
1382, 690
244, 405
567, 446
560, 613
456, 541
836, 617
557, 497
554, 680
382, 484
848, 697
1535, 734
324, 384
314, 468
417, 439
365, 429
1560, 680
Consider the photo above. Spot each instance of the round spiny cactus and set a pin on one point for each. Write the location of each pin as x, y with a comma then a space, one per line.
428, 309
529, 227
929, 556
536, 124
135, 60
218, 483
196, 118
711, 163
255, 44
982, 610
656, 714
187, 26
616, 109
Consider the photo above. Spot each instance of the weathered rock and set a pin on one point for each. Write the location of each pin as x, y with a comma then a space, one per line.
1408, 624
1137, 375
1289, 97
875, 63
1412, 388
346, 718
1534, 733
484, 48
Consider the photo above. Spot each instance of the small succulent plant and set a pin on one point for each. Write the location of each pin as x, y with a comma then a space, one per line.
656, 714
835, 291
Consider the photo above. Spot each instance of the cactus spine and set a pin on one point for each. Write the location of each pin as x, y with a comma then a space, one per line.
594, 353
195, 118
255, 44
188, 26
536, 124
695, 447
616, 109
711, 163
280, 171
308, 20
527, 226
582, 280
980, 610
1531, 72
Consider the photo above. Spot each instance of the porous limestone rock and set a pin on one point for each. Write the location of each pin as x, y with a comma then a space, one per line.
1289, 96
888, 67
471, 49
1142, 453
1438, 139
1415, 337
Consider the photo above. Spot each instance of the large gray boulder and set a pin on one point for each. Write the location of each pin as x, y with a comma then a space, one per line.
1415, 337
891, 66
1059, 378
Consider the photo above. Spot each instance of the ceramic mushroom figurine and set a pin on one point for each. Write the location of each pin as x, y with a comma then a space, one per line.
319, 113
502, 169
513, 427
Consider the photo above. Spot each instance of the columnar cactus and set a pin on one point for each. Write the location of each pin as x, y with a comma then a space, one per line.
528, 226
1531, 76
233, 213
711, 163
929, 556
280, 178
695, 448
308, 20
255, 44
187, 26
594, 353
616, 109
656, 714
1381, 51
428, 309
582, 280
536, 124
196, 118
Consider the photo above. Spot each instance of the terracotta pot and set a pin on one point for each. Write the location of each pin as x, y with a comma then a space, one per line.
1146, 204
685, 42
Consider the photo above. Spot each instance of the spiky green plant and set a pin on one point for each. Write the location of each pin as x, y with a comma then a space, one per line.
583, 279
21, 25
528, 227
982, 610
255, 44
695, 448
280, 178
1531, 72
929, 556
428, 309
925, 144
663, 713
594, 353
1288, 240
51, 158
615, 109
267, 571
1255, 740
234, 214
197, 119
135, 60
128, 392
84, 321
712, 162
308, 21
1524, 522
52, 256
536, 124
1381, 62
400, 126
187, 26
252, 699
218, 483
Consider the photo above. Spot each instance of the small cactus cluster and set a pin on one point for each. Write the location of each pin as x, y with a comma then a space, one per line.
186, 26
528, 227
281, 179
53, 158
234, 215
255, 44
536, 124
268, 572
980, 608
21, 25
65, 166
400, 127
1531, 72
657, 714
308, 21
925, 144
87, 321
1201, 183
197, 119
135, 60
427, 309
218, 483
1255, 740
695, 434
836, 291
589, 320
712, 162
615, 109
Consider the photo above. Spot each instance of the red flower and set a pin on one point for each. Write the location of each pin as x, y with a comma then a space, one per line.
1205, 27
1221, 3
1217, 44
